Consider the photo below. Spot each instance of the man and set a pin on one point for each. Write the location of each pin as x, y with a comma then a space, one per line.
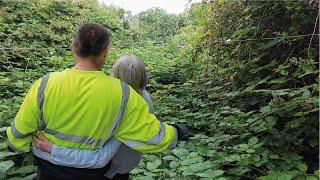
82, 108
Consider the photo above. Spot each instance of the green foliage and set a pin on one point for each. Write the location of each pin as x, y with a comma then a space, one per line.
158, 25
237, 72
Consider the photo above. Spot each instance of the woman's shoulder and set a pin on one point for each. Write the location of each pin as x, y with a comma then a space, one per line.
146, 96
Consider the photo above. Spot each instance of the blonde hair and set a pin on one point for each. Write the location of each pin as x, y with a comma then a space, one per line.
131, 70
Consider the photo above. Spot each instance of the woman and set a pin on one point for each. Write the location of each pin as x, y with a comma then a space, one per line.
122, 158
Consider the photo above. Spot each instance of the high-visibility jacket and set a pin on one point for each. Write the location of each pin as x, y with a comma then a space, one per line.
83, 109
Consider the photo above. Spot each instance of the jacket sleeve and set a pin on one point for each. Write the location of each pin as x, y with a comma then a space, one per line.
25, 122
141, 130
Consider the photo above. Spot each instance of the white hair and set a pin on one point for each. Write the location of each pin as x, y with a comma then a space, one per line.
131, 70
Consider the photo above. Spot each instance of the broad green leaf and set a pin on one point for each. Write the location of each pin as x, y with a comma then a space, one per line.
284, 177
306, 94
200, 166
170, 157
5, 165
232, 158
302, 167
137, 171
31, 176
6, 154
189, 161
313, 142
243, 146
311, 178
265, 109
187, 173
317, 172
153, 165
210, 173
145, 178
181, 153
274, 156
173, 164
252, 141
172, 174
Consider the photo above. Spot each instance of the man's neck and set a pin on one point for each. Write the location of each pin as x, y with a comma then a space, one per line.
87, 64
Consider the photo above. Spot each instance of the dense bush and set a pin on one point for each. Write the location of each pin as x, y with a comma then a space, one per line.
241, 74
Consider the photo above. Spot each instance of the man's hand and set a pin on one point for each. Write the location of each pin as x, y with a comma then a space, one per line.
182, 132
42, 143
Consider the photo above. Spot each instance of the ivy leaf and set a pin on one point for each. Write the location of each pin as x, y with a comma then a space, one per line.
153, 165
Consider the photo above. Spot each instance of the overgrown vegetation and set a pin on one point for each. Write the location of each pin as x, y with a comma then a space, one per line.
240, 73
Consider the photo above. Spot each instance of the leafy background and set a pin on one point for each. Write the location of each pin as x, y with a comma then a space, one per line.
239, 73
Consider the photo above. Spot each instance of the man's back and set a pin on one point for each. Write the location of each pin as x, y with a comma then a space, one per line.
82, 103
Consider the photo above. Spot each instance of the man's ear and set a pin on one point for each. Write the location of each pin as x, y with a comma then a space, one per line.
105, 52
71, 46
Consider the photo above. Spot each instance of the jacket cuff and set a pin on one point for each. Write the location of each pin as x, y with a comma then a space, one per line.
11, 148
174, 141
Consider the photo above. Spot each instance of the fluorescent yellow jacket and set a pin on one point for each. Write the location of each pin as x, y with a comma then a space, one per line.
83, 109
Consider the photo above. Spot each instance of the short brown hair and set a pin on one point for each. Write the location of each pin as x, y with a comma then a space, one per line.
90, 39
131, 70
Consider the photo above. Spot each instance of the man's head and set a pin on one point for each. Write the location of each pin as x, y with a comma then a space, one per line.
91, 41
131, 70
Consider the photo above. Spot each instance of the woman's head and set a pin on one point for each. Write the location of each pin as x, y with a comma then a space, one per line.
131, 70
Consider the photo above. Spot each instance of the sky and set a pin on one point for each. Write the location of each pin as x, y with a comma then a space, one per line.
137, 6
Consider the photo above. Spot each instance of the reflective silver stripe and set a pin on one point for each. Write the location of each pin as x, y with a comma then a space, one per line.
156, 139
159, 136
41, 89
125, 96
133, 144
16, 133
73, 138
174, 141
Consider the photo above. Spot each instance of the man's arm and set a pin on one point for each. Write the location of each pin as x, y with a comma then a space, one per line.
25, 122
141, 130
80, 158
